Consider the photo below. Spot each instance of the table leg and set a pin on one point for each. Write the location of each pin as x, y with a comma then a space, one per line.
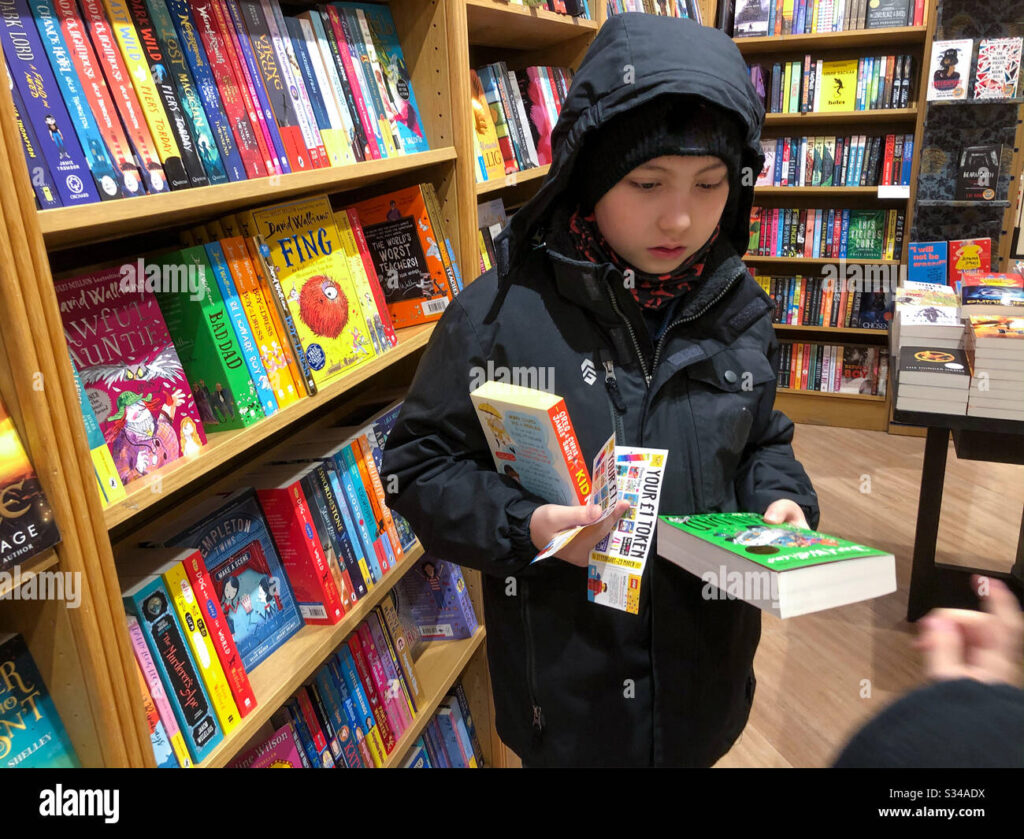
933, 474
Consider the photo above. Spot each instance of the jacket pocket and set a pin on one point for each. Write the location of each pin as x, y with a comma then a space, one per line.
724, 393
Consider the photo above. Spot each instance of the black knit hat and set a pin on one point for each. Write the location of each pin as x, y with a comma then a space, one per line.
667, 125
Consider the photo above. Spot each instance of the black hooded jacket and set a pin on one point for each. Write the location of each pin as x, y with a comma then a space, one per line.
575, 683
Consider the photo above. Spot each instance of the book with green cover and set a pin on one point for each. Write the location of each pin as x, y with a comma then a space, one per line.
781, 568
866, 235
205, 340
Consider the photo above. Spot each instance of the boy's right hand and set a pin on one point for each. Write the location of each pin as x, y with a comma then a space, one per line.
549, 519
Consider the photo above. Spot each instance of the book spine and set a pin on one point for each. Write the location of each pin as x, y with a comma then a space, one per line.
347, 557
522, 120
191, 617
144, 659
380, 543
298, 722
257, 89
353, 73
342, 97
294, 86
508, 108
303, 71
336, 134
357, 706
231, 97
364, 142
323, 718
377, 674
316, 733
362, 669
377, 493
334, 707
206, 87
394, 679
223, 643
38, 171
368, 567
322, 523
375, 308
399, 650
375, 78
44, 107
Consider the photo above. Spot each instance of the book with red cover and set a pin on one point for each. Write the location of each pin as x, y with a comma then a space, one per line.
227, 651
385, 690
969, 255
280, 751
288, 518
366, 680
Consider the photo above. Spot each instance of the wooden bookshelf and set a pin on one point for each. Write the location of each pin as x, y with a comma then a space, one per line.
816, 119
26, 571
490, 188
224, 446
782, 192
807, 260
294, 662
815, 42
438, 666
67, 227
822, 394
843, 410
835, 330
494, 23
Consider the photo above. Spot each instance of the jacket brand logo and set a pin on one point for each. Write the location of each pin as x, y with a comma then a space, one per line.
589, 373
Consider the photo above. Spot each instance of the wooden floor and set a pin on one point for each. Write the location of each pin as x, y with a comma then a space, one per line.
820, 677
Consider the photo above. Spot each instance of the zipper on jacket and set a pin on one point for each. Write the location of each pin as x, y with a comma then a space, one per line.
618, 404
632, 335
531, 674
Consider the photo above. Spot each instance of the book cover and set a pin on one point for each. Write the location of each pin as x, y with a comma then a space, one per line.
27, 525
997, 331
885, 14
992, 300
950, 69
839, 85
279, 751
190, 42
978, 173
375, 306
435, 594
148, 601
44, 107
943, 367
998, 68
132, 375
406, 253
208, 348
966, 255
34, 734
483, 127
304, 249
866, 235
242, 560
751, 19
163, 753
927, 262
107, 479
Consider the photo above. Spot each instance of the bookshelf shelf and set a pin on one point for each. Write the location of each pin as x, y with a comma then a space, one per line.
832, 330
500, 24
26, 571
842, 117
514, 179
71, 226
945, 102
224, 446
854, 38
821, 394
279, 676
939, 202
821, 191
438, 666
788, 260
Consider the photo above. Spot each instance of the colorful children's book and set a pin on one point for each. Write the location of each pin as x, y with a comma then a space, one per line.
34, 736
302, 252
780, 568
132, 375
107, 479
926, 262
998, 68
280, 751
162, 751
436, 597
968, 255
406, 252
242, 560
27, 525
39, 172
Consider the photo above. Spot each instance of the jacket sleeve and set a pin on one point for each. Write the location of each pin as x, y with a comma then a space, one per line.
768, 469
437, 462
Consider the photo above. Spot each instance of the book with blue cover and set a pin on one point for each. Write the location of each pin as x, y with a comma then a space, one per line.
246, 571
33, 735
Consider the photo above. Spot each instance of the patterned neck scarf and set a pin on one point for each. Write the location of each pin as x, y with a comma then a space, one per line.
651, 291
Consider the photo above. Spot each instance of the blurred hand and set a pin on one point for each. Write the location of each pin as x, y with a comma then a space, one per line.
785, 511
549, 519
986, 645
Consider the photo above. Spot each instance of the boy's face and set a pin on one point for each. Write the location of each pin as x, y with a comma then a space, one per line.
664, 210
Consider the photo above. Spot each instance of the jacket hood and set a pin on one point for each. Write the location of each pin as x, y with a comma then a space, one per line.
634, 58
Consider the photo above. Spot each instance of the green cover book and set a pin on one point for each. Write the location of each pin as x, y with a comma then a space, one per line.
867, 232
779, 547
201, 329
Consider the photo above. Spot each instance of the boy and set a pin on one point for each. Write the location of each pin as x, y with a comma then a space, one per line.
625, 263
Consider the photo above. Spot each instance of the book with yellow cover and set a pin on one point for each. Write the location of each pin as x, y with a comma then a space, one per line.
483, 128
839, 85
364, 291
303, 248
194, 624
271, 352
107, 479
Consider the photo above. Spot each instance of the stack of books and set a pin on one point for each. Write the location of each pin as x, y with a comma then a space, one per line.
933, 379
988, 295
926, 315
995, 346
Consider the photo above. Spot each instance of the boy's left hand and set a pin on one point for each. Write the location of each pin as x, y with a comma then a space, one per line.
785, 511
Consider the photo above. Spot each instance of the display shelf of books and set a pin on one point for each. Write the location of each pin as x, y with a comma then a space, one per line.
66, 227
441, 662
85, 654
222, 447
855, 38
837, 330
903, 115
513, 179
294, 662
498, 23
863, 397
814, 191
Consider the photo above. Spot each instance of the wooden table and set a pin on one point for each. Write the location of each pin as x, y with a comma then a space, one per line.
974, 438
